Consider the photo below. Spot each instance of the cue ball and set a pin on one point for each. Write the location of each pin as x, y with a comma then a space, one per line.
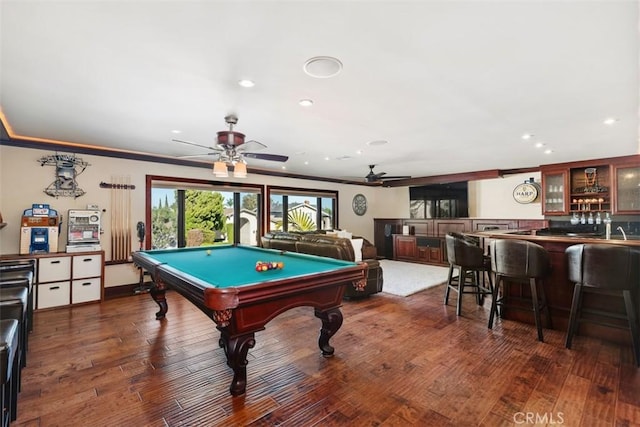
208, 251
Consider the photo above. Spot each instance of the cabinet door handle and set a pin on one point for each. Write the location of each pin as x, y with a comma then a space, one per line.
87, 259
86, 284
53, 288
55, 262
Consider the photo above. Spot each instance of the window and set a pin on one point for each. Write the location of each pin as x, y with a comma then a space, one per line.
196, 212
301, 210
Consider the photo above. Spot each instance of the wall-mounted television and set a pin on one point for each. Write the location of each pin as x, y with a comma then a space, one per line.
439, 201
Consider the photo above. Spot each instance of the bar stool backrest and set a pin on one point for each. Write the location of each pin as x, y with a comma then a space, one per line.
462, 252
604, 266
519, 258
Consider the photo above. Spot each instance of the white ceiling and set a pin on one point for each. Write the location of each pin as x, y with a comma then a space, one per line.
451, 85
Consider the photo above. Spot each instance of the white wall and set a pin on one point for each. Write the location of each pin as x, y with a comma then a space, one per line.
493, 198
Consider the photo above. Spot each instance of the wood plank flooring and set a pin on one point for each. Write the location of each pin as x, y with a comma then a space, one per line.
398, 362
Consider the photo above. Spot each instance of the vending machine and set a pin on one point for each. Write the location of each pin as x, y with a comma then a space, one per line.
39, 230
83, 231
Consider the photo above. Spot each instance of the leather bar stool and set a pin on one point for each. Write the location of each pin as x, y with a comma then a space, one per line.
608, 269
13, 305
15, 278
9, 369
520, 262
469, 259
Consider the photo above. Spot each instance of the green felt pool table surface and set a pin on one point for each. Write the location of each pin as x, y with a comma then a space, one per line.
230, 266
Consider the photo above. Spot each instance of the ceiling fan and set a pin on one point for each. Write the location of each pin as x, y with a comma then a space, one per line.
376, 177
231, 147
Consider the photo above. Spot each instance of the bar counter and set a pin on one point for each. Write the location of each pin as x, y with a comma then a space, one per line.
558, 288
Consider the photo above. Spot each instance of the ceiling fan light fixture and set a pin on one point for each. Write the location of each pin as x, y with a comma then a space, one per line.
220, 170
240, 170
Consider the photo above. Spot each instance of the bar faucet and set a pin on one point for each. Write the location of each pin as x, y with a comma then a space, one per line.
623, 233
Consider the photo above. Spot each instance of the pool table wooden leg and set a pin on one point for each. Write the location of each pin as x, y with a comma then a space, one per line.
157, 292
331, 322
236, 349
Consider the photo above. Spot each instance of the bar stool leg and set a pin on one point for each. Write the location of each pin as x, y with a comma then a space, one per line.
462, 279
574, 314
494, 300
545, 306
449, 279
536, 307
633, 324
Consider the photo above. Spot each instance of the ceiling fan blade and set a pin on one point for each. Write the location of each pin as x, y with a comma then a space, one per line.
395, 177
193, 156
265, 156
196, 145
251, 146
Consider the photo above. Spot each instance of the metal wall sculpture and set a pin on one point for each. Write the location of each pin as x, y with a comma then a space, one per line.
65, 184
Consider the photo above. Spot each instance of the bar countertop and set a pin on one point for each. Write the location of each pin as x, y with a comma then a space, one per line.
571, 238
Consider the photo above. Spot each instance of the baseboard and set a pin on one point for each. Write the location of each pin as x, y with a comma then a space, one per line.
125, 290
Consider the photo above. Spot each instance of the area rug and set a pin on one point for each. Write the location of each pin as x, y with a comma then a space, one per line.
407, 278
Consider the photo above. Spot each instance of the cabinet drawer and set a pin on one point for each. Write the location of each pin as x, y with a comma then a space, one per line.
54, 269
85, 290
87, 266
53, 294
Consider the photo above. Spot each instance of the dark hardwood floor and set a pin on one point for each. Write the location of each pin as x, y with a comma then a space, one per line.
398, 361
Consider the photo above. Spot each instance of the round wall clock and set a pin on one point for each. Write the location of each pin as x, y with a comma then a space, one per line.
525, 193
359, 204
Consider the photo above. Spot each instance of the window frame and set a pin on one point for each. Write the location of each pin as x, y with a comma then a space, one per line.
294, 191
202, 184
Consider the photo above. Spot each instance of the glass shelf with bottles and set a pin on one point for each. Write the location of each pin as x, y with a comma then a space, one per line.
597, 202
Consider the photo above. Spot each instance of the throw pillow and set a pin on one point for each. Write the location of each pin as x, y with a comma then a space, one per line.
357, 248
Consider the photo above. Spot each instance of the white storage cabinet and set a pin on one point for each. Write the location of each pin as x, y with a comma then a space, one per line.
68, 279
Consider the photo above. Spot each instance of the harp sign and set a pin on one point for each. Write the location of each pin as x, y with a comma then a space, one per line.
525, 193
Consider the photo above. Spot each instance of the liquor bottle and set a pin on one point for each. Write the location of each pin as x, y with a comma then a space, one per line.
583, 219
598, 218
590, 220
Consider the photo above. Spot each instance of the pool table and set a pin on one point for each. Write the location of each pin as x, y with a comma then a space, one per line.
222, 281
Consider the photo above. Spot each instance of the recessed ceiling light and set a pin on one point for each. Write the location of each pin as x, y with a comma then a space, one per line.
306, 102
539, 145
327, 158
176, 131
377, 142
527, 136
246, 83
322, 67
359, 152
284, 167
306, 162
548, 151
610, 121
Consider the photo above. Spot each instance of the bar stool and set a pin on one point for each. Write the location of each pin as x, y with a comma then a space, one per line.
608, 269
470, 261
13, 305
9, 369
522, 262
20, 279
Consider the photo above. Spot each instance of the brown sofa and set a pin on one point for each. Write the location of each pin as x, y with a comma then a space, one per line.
332, 247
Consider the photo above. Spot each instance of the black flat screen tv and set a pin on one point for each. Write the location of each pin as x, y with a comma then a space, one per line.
439, 201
